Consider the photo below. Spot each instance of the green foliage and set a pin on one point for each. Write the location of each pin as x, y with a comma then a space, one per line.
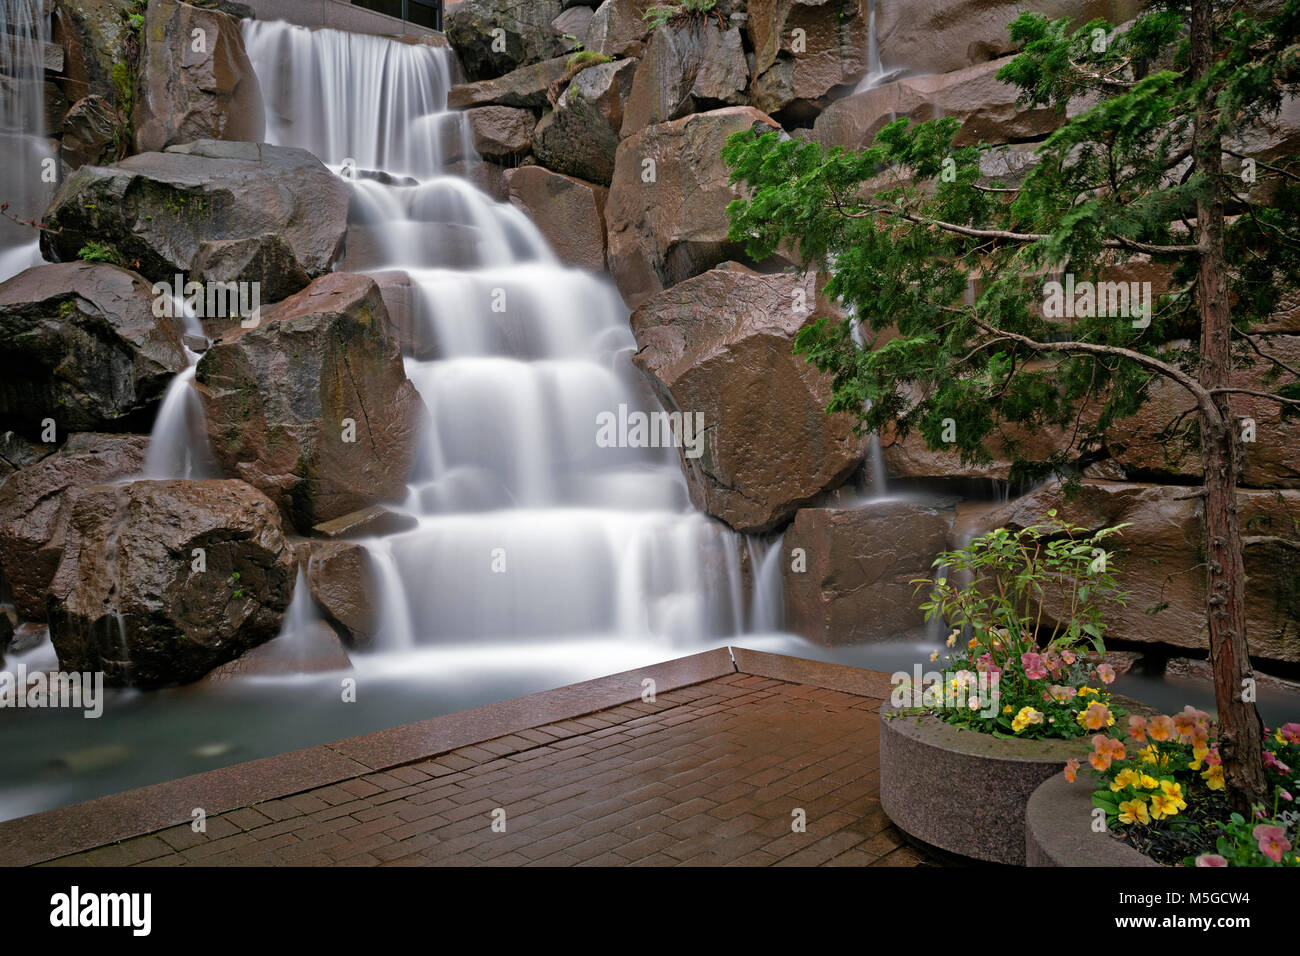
942, 268
100, 252
661, 14
583, 59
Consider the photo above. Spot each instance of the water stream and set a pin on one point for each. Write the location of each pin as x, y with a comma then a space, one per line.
27, 173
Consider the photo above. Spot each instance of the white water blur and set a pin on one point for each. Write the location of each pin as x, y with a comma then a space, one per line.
23, 34
526, 532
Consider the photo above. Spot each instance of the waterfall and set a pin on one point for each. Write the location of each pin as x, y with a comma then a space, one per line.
27, 174
526, 532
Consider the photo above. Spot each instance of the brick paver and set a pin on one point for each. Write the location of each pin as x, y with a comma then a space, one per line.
711, 774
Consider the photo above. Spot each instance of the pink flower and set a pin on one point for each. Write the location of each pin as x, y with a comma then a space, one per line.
1284, 795
1106, 673
1069, 657
1211, 859
1071, 769
1272, 763
1033, 665
1053, 661
1272, 841
1137, 728
1290, 733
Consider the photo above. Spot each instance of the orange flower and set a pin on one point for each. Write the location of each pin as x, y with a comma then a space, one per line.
1071, 769
1161, 728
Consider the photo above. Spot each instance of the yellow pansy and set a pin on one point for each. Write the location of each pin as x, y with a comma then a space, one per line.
1148, 782
1124, 779
1133, 811
1213, 777
1162, 806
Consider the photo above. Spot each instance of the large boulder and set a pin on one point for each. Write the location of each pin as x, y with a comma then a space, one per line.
580, 136
986, 107
666, 216
805, 50
195, 80
343, 584
860, 565
500, 132
721, 344
312, 406
79, 344
524, 88
618, 27
235, 212
35, 502
92, 133
939, 36
161, 581
493, 37
1161, 564
685, 69
570, 213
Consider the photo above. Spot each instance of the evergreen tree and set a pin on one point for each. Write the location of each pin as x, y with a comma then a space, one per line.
949, 269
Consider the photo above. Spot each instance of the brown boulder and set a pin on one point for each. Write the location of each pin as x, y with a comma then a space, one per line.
580, 136
195, 81
666, 216
570, 213
618, 27
805, 49
524, 88
161, 581
860, 565
721, 344
342, 583
312, 406
492, 37
92, 133
500, 131
1161, 560
35, 502
685, 69
986, 107
79, 344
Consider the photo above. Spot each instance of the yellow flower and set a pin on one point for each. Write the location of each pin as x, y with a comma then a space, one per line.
1173, 793
1198, 754
1026, 717
1123, 779
1162, 806
1148, 782
1213, 777
1095, 717
934, 656
1133, 811
1149, 754
1006, 709
1085, 691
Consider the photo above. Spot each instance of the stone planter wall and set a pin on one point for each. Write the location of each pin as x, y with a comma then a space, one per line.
1058, 830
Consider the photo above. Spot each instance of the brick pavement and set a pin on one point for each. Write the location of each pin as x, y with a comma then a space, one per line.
709, 774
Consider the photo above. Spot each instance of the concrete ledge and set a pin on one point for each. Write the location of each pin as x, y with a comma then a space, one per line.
963, 791
851, 680
336, 15
1058, 829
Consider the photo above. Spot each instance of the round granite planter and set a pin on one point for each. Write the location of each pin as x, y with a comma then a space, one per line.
963, 791
1058, 829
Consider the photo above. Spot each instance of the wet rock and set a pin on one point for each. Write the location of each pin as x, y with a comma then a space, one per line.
834, 35
375, 520
132, 598
501, 131
524, 88
666, 216
343, 585
493, 37
35, 502
860, 563
313, 407
684, 69
316, 650
79, 345
93, 35
570, 213
721, 344
986, 107
580, 136
92, 133
1161, 560
618, 27
573, 22
195, 80
166, 212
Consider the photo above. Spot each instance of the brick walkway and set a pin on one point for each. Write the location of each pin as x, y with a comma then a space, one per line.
709, 774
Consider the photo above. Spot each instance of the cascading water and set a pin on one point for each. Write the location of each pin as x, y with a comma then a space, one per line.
27, 175
528, 532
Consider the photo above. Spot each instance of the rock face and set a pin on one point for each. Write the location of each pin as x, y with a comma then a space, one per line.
493, 37
835, 36
93, 35
79, 344
524, 88
667, 211
91, 131
343, 585
194, 85
570, 213
986, 107
265, 214
618, 27
133, 598
721, 344
580, 136
500, 131
1161, 564
860, 565
279, 399
683, 69
35, 502
938, 36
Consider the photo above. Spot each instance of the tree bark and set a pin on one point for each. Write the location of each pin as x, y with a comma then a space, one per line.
1241, 732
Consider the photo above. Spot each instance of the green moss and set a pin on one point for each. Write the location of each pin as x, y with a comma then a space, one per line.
100, 252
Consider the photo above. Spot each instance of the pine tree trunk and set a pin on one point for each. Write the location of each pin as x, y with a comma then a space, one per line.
1241, 731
